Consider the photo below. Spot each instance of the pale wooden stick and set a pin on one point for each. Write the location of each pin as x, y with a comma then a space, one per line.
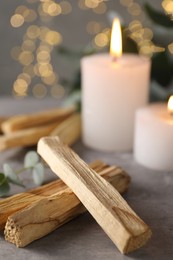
24, 121
115, 175
2, 120
69, 130
105, 204
49, 213
26, 137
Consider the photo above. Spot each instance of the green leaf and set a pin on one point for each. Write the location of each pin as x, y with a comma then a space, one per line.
158, 17
162, 68
38, 173
4, 185
11, 175
73, 98
31, 159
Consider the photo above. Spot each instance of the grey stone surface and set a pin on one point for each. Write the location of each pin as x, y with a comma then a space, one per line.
150, 195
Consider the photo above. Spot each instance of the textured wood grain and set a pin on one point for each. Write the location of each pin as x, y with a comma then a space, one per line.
47, 214
69, 130
105, 204
25, 121
26, 137
113, 174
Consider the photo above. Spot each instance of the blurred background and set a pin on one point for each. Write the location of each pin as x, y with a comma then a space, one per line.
42, 42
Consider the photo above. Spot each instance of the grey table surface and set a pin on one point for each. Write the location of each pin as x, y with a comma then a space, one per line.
150, 195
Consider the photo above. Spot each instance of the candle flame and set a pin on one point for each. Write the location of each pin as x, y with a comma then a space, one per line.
116, 39
170, 105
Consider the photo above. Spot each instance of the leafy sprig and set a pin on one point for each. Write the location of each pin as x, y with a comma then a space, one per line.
10, 176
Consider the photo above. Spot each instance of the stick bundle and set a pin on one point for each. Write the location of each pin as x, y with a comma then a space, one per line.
25, 121
104, 203
68, 128
49, 212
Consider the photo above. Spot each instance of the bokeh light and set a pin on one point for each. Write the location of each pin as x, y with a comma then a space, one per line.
17, 20
39, 90
57, 91
66, 7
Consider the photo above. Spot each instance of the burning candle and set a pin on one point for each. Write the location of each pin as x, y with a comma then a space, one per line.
113, 87
153, 144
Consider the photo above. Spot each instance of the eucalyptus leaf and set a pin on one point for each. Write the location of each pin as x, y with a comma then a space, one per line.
38, 174
31, 159
73, 98
158, 17
2, 178
11, 175
4, 186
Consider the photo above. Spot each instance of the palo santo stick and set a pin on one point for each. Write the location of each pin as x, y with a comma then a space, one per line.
69, 130
20, 122
115, 175
51, 212
27, 137
105, 204
2, 119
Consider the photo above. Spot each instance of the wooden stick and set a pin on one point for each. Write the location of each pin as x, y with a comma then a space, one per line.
115, 175
105, 204
27, 137
51, 212
2, 119
24, 121
69, 130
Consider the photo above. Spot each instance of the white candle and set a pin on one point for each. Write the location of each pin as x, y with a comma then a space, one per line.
112, 89
153, 143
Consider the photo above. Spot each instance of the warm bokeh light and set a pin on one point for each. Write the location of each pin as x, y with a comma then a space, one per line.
126, 2
57, 91
20, 87
93, 27
134, 9
168, 6
17, 20
51, 8
43, 57
50, 80
116, 39
39, 91
33, 32
66, 7
91, 3
170, 48
81, 4
26, 58
53, 38
101, 40
170, 105
26, 77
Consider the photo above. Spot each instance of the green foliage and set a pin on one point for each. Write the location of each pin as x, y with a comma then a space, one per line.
31, 158
31, 162
158, 17
38, 173
4, 185
162, 68
11, 175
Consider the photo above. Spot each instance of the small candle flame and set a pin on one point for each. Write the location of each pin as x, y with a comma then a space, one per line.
170, 105
116, 40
